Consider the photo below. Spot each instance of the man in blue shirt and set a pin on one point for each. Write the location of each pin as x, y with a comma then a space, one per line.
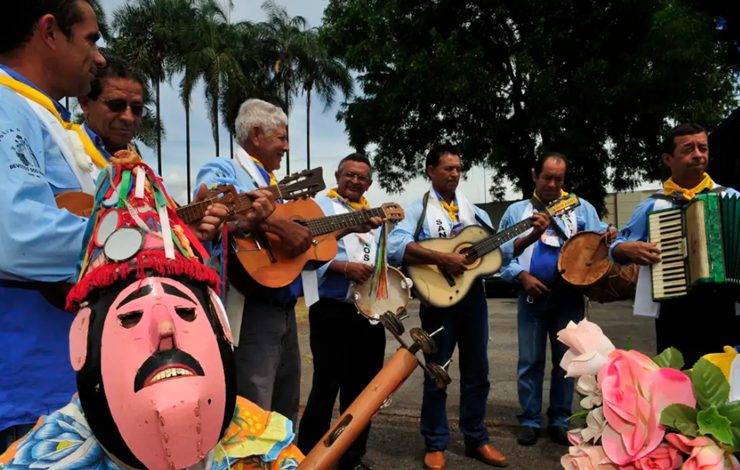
347, 350
442, 213
268, 362
47, 51
679, 322
546, 304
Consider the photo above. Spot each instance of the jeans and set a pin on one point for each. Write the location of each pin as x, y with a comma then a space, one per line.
347, 354
535, 322
465, 325
268, 363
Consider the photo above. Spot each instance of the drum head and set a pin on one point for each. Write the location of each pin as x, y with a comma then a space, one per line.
107, 225
399, 295
123, 244
584, 259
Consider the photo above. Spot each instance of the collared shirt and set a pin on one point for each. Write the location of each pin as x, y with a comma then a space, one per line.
226, 171
331, 284
544, 257
39, 243
403, 233
636, 228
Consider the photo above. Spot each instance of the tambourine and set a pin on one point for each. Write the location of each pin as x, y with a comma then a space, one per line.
399, 294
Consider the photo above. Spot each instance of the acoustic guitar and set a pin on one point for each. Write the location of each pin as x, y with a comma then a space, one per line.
481, 248
267, 263
298, 185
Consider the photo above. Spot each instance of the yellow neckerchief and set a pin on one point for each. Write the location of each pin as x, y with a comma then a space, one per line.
535, 196
357, 206
273, 179
451, 208
37, 97
670, 187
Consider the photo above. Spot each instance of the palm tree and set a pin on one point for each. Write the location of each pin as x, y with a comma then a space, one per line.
323, 73
147, 33
284, 45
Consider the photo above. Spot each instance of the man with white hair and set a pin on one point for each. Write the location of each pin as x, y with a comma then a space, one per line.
268, 363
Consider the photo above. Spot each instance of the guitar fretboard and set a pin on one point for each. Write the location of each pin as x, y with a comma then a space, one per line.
489, 244
333, 223
195, 211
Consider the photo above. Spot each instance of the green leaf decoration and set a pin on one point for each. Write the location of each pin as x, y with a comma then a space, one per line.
731, 411
680, 417
670, 357
710, 384
712, 423
578, 418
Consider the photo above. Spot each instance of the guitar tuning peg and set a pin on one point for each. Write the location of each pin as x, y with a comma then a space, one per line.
392, 323
402, 314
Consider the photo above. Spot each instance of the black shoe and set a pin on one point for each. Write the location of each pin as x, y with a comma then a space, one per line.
558, 435
528, 436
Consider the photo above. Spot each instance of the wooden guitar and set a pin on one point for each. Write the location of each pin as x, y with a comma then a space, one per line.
304, 184
266, 262
481, 248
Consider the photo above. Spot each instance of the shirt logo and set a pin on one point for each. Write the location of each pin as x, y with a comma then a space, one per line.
26, 159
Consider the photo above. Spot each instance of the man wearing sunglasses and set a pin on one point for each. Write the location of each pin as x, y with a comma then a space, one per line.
115, 107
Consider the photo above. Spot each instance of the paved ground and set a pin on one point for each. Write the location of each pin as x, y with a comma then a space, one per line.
395, 442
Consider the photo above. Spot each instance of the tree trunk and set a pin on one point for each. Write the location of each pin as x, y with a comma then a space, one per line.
187, 145
231, 145
214, 116
287, 127
308, 128
159, 133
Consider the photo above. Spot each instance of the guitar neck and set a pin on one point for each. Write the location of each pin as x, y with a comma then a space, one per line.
197, 210
491, 243
333, 223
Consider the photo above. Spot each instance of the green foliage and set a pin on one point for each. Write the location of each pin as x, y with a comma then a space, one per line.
670, 357
731, 411
597, 80
712, 423
680, 417
710, 385
578, 419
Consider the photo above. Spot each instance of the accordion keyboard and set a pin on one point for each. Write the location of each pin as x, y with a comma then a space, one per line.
669, 275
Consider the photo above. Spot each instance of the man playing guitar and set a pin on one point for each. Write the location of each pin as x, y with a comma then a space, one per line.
267, 357
442, 213
347, 350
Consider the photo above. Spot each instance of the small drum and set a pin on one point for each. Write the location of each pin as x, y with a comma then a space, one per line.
584, 263
399, 294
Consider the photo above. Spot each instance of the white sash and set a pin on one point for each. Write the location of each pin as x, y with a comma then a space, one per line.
360, 247
569, 226
69, 144
250, 167
644, 305
438, 222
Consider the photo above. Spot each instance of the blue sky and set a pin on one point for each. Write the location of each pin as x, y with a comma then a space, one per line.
329, 142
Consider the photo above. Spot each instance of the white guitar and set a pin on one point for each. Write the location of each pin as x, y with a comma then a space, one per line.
481, 248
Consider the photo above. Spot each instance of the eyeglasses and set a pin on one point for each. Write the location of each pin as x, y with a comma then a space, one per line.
119, 105
361, 178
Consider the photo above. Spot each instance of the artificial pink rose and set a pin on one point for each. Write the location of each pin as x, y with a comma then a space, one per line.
635, 392
583, 457
663, 457
705, 454
588, 348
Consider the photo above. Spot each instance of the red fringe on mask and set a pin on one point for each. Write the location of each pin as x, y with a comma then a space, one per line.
142, 266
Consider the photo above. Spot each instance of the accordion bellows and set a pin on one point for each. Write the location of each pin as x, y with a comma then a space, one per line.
699, 243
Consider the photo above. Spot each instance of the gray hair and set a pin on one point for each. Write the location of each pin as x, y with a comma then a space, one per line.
258, 113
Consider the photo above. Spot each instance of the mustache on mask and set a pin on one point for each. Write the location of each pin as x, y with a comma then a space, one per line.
160, 360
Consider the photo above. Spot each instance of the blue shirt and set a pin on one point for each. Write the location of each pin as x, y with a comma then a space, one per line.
544, 258
403, 233
636, 228
227, 171
39, 243
331, 284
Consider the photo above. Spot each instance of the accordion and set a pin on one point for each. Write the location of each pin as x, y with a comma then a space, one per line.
699, 244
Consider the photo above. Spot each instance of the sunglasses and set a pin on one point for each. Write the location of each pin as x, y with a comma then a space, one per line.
120, 105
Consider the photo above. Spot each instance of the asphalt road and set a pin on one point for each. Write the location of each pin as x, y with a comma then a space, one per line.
395, 442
